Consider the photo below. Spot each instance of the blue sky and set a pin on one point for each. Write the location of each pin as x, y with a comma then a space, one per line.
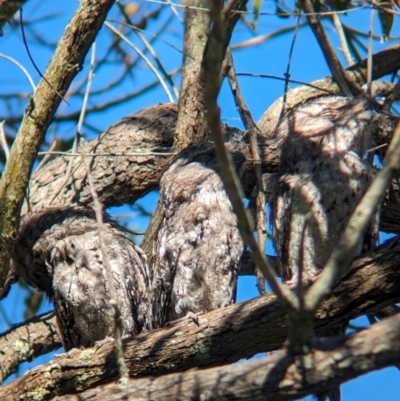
270, 57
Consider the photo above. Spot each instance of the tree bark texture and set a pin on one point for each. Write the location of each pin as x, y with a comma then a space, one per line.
374, 283
280, 376
27, 341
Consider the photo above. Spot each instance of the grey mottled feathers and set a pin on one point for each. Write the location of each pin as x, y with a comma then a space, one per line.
58, 252
198, 245
323, 176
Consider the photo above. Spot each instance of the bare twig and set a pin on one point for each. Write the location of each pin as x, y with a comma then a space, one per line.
263, 38
343, 40
146, 60
98, 209
287, 73
22, 68
69, 154
213, 66
251, 127
3, 140
151, 50
33, 61
370, 53
338, 72
273, 13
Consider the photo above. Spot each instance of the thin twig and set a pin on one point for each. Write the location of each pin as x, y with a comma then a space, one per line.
3, 140
69, 154
79, 127
338, 72
22, 68
263, 38
153, 35
370, 54
287, 73
272, 13
33, 61
277, 77
47, 155
251, 127
175, 11
212, 86
342, 38
146, 60
98, 209
342, 256
151, 50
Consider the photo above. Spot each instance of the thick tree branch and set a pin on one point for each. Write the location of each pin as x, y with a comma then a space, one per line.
64, 65
373, 284
276, 377
191, 124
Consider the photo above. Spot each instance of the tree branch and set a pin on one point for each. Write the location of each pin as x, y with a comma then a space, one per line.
275, 377
64, 65
339, 74
373, 284
27, 341
7, 9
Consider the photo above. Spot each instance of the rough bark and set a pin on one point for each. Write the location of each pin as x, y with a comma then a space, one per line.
373, 283
127, 165
369, 291
275, 377
63, 67
27, 341
191, 125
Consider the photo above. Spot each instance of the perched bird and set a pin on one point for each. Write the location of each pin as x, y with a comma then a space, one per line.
323, 176
198, 246
58, 252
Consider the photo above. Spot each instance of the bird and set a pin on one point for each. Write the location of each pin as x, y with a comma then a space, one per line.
198, 245
58, 252
322, 177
